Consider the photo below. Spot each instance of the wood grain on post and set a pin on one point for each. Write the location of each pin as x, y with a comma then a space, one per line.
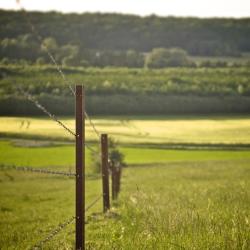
105, 172
80, 168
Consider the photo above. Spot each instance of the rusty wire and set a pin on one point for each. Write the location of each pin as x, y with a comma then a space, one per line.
62, 226
93, 203
41, 107
52, 58
92, 125
53, 233
35, 170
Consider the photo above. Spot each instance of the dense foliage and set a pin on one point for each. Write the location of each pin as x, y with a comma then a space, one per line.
128, 91
115, 40
162, 58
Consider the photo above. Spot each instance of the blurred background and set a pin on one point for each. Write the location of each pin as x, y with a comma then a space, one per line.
168, 81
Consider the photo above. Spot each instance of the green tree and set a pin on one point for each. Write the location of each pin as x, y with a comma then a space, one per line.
161, 57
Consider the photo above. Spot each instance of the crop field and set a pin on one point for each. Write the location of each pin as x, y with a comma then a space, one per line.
127, 91
44, 79
136, 130
186, 185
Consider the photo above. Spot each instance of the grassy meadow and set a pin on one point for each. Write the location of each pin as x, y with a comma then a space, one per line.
186, 185
213, 129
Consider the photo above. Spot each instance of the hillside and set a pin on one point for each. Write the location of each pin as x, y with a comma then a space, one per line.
119, 40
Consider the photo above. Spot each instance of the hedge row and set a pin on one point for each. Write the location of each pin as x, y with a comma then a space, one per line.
128, 105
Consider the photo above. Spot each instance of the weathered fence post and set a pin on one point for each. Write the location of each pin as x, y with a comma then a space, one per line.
80, 168
113, 180
116, 180
105, 172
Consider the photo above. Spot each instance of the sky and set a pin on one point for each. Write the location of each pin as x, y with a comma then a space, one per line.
198, 8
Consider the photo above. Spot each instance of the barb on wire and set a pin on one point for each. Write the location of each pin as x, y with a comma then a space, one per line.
53, 233
41, 107
35, 170
61, 226
93, 203
92, 124
39, 38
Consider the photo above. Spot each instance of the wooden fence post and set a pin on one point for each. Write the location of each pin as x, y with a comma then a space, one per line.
112, 167
80, 169
116, 181
119, 175
105, 172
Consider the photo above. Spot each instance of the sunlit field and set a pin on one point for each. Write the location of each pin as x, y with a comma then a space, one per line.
186, 184
181, 205
134, 130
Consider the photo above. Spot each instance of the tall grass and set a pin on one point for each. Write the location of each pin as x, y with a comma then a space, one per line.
185, 205
180, 206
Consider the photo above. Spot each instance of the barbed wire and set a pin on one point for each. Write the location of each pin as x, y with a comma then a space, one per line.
93, 203
61, 226
53, 233
92, 125
52, 58
40, 39
41, 107
35, 170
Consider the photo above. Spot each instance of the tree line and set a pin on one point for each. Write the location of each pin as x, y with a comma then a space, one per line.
119, 40
113, 91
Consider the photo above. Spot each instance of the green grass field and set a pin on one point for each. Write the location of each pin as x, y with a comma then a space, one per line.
188, 198
61, 157
181, 205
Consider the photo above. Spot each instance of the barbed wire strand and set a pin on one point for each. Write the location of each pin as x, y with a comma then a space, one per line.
61, 226
40, 39
35, 170
53, 233
52, 58
33, 29
98, 134
53, 117
41, 107
93, 203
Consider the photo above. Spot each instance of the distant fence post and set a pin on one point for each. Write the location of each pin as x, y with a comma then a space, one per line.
116, 180
105, 172
113, 180
80, 169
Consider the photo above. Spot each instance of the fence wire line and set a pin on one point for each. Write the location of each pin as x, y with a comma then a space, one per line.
52, 58
39, 38
93, 203
53, 233
61, 226
53, 117
92, 125
41, 107
35, 170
